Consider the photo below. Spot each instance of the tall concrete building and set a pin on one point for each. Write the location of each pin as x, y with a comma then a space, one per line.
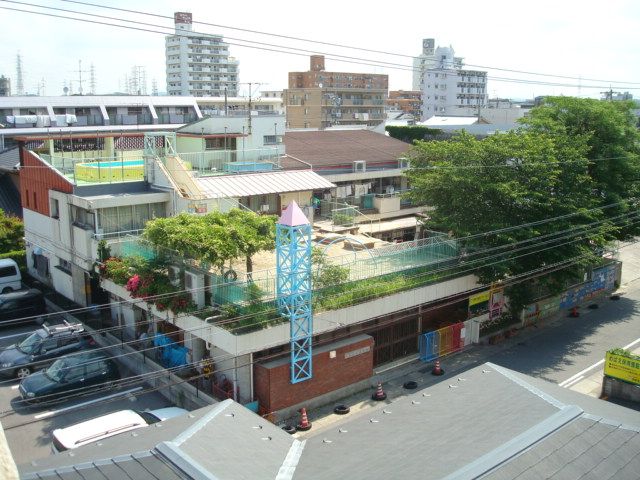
319, 99
427, 59
5, 86
448, 90
198, 64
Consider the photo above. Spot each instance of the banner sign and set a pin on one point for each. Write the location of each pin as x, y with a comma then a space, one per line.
622, 367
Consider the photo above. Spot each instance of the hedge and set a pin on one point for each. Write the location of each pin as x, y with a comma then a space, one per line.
19, 256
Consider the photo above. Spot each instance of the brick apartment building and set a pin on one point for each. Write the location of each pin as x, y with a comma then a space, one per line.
320, 99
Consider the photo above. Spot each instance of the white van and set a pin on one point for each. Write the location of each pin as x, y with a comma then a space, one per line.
109, 425
10, 278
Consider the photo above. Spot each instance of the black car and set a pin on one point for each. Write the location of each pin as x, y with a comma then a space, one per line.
70, 375
22, 306
42, 348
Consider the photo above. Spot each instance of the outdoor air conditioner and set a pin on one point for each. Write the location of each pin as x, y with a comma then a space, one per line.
194, 284
403, 163
264, 208
359, 166
174, 275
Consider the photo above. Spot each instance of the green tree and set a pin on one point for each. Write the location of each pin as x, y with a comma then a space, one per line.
214, 238
11, 233
506, 180
610, 132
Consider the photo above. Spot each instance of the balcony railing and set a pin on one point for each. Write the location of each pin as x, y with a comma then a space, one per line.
220, 162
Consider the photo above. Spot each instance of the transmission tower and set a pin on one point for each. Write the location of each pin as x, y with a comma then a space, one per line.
92, 80
19, 78
80, 72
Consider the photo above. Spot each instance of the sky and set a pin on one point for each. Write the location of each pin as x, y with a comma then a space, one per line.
597, 43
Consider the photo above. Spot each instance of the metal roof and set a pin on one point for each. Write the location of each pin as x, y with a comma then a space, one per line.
250, 184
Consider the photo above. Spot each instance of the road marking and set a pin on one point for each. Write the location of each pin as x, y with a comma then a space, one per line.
56, 412
574, 379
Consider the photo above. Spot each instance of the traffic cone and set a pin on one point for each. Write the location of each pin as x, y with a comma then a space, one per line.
436, 369
304, 424
574, 312
379, 394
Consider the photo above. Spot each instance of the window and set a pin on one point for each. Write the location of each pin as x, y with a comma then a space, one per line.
65, 266
95, 368
27, 196
9, 271
35, 201
272, 139
55, 208
83, 218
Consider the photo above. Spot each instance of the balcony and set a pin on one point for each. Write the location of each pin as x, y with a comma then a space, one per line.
228, 162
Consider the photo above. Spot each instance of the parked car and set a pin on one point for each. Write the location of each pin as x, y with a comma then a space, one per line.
109, 425
25, 305
42, 348
10, 277
70, 375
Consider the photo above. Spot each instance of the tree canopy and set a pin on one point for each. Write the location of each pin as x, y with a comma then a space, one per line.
571, 161
215, 237
11, 233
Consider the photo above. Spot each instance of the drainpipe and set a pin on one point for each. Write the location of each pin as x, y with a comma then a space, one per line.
251, 376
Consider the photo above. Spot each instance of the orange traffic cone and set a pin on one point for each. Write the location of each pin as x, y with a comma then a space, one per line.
379, 394
304, 424
436, 369
574, 312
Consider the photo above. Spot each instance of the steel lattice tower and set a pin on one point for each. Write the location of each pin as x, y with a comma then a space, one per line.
293, 259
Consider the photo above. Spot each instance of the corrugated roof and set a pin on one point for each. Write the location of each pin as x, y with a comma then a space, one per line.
9, 196
9, 159
327, 147
247, 185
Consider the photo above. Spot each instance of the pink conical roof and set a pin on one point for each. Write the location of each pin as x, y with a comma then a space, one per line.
292, 216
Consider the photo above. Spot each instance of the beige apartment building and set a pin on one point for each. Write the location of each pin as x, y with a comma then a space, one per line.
320, 99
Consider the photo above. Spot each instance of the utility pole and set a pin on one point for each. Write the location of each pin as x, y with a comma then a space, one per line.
608, 95
250, 93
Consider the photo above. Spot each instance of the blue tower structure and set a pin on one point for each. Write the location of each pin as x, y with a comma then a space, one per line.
293, 260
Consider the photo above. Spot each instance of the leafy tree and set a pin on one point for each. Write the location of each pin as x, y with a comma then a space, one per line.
506, 180
216, 237
326, 274
11, 233
610, 131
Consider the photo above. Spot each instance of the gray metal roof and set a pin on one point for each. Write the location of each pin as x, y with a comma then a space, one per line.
490, 422
10, 159
250, 184
9, 196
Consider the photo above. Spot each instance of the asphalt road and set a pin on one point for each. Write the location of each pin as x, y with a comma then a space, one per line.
569, 345
28, 429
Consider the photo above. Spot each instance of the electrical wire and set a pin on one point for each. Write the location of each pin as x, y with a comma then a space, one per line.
266, 48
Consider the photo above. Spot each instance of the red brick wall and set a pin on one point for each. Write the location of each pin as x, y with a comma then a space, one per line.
274, 390
36, 179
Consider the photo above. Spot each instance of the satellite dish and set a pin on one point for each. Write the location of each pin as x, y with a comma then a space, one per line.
320, 85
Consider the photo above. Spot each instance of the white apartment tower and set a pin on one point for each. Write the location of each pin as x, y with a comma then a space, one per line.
448, 90
198, 64
427, 59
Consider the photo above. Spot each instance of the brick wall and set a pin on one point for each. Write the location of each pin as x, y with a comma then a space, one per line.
272, 380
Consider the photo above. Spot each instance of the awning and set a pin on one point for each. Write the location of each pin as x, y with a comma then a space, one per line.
250, 184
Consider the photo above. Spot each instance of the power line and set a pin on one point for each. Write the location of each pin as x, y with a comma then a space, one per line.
334, 57
340, 45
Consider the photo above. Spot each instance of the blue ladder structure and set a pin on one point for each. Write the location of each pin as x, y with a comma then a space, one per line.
293, 287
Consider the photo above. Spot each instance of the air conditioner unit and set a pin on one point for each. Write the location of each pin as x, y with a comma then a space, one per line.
359, 166
403, 163
174, 275
264, 208
194, 283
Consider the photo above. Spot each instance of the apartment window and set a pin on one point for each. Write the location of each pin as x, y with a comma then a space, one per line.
83, 218
55, 208
35, 201
27, 197
65, 266
272, 139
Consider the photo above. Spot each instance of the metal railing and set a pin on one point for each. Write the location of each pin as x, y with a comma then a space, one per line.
217, 162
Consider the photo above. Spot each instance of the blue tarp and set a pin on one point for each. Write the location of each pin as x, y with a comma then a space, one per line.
171, 354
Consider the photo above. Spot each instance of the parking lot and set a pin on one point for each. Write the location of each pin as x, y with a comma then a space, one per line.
28, 428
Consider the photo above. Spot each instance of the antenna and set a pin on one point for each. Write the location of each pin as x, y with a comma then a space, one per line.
80, 72
20, 80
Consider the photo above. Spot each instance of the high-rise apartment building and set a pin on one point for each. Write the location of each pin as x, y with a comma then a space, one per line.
198, 64
319, 99
427, 59
5, 86
448, 90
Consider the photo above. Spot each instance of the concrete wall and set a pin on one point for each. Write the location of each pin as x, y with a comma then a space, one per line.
614, 388
387, 204
301, 198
